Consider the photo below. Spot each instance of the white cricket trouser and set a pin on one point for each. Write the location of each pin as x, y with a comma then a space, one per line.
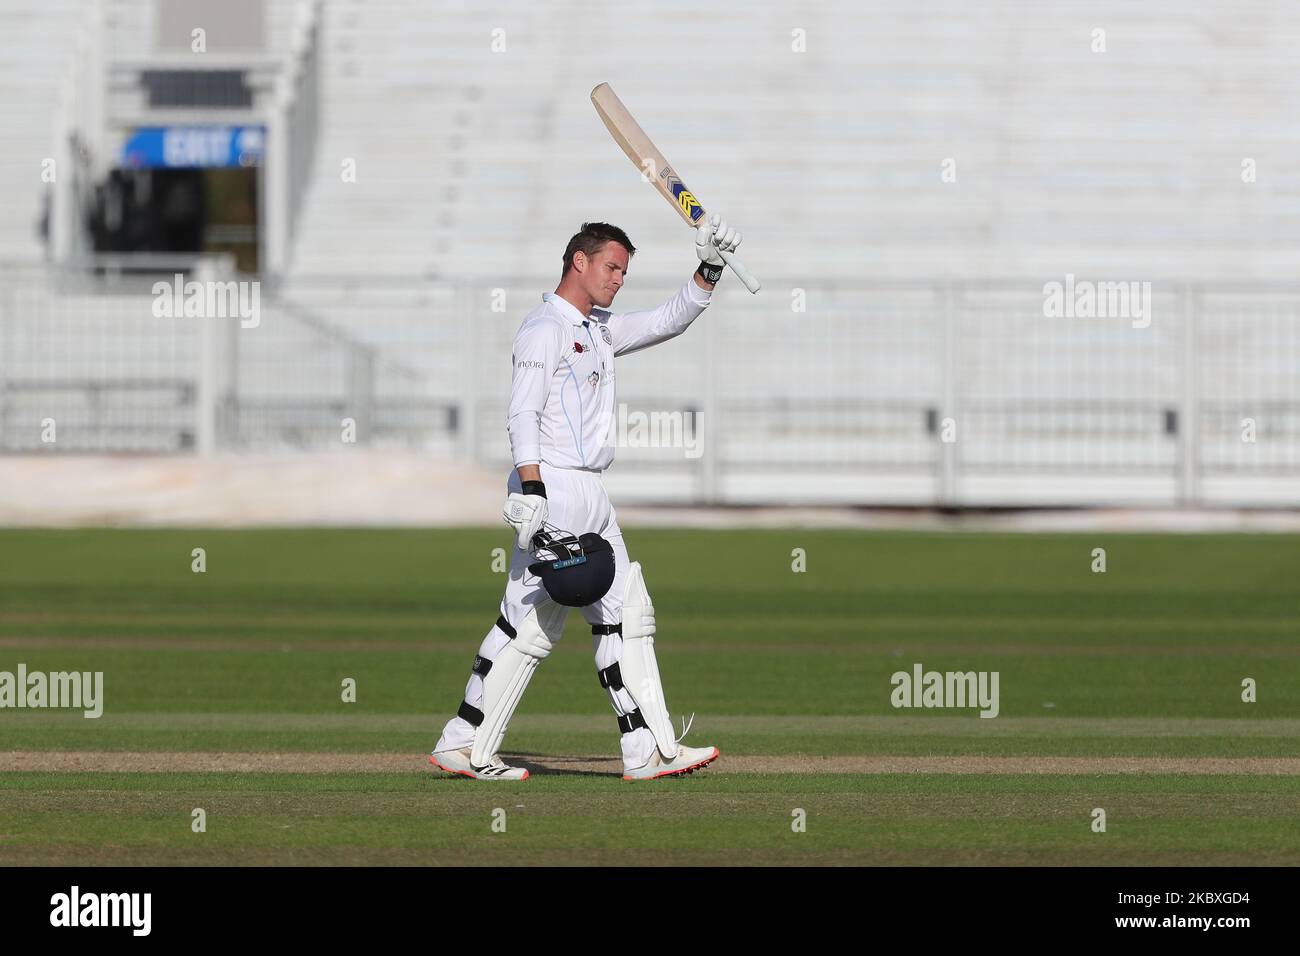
576, 502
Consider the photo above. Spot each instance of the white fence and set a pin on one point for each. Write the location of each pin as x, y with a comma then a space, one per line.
902, 393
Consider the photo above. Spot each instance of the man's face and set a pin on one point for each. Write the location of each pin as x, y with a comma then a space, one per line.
605, 272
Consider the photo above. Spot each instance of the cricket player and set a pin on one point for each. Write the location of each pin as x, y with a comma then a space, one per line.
561, 411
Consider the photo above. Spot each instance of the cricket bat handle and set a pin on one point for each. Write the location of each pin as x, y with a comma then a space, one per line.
741, 272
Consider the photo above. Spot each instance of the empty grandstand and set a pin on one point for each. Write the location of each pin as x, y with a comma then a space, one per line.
399, 179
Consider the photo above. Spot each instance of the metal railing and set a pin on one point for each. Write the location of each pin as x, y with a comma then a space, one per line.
878, 393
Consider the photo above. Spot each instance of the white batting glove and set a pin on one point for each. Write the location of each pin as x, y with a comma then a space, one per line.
526, 514
713, 235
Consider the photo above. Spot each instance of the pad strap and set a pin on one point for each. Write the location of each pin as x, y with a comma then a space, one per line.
631, 722
469, 712
611, 676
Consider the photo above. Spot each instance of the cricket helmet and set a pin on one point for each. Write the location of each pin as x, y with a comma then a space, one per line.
576, 570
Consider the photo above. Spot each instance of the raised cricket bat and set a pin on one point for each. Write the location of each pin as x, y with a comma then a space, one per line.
655, 169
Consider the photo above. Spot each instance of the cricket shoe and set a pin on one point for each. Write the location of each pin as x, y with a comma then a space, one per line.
688, 760
458, 762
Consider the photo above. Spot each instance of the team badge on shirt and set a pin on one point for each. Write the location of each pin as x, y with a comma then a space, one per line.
593, 379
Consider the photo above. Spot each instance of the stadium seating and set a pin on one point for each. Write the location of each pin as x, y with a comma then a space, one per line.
1125, 162
895, 301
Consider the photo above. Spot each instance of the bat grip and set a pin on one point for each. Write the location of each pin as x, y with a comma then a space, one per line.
741, 272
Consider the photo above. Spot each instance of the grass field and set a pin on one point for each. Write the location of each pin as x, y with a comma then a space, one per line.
222, 691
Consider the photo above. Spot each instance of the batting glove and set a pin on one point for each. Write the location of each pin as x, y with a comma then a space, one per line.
526, 512
713, 235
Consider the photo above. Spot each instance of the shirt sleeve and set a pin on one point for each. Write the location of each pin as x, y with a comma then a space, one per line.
536, 357
632, 331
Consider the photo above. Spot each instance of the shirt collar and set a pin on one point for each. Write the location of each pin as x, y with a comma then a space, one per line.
567, 308
570, 311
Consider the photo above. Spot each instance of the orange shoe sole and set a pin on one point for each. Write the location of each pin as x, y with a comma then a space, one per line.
682, 771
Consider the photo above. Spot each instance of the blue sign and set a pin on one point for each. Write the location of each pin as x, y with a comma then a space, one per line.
195, 147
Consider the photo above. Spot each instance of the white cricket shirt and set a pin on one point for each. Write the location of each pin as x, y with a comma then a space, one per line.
562, 401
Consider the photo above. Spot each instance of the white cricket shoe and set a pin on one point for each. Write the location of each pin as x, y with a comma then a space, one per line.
688, 760
457, 761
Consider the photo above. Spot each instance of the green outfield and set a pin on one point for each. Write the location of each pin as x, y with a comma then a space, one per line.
222, 691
